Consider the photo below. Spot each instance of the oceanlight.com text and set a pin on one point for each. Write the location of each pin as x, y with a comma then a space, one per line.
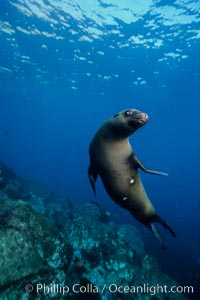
151, 289
108, 288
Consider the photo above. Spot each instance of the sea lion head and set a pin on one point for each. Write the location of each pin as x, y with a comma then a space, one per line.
128, 121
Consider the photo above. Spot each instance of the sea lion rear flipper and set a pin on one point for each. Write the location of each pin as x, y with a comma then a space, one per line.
145, 169
165, 225
92, 174
157, 235
155, 231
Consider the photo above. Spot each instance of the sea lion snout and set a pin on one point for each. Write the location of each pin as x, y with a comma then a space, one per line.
136, 118
141, 117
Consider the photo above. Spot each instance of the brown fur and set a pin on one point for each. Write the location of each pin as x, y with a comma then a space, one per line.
112, 157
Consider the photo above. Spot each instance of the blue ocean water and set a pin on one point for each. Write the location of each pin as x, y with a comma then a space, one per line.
67, 66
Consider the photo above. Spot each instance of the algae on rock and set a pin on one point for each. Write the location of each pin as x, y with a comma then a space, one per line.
58, 243
29, 244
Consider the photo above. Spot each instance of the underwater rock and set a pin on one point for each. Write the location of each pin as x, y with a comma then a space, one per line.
15, 188
54, 243
59, 212
107, 253
11, 186
39, 196
5, 175
82, 229
30, 246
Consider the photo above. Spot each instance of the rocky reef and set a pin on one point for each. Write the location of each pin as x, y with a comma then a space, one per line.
56, 250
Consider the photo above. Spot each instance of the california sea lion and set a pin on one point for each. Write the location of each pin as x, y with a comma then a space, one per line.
112, 157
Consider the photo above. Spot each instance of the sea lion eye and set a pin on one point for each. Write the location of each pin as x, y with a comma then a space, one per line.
128, 112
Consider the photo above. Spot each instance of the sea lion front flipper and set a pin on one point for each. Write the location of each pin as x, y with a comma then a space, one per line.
92, 174
145, 169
